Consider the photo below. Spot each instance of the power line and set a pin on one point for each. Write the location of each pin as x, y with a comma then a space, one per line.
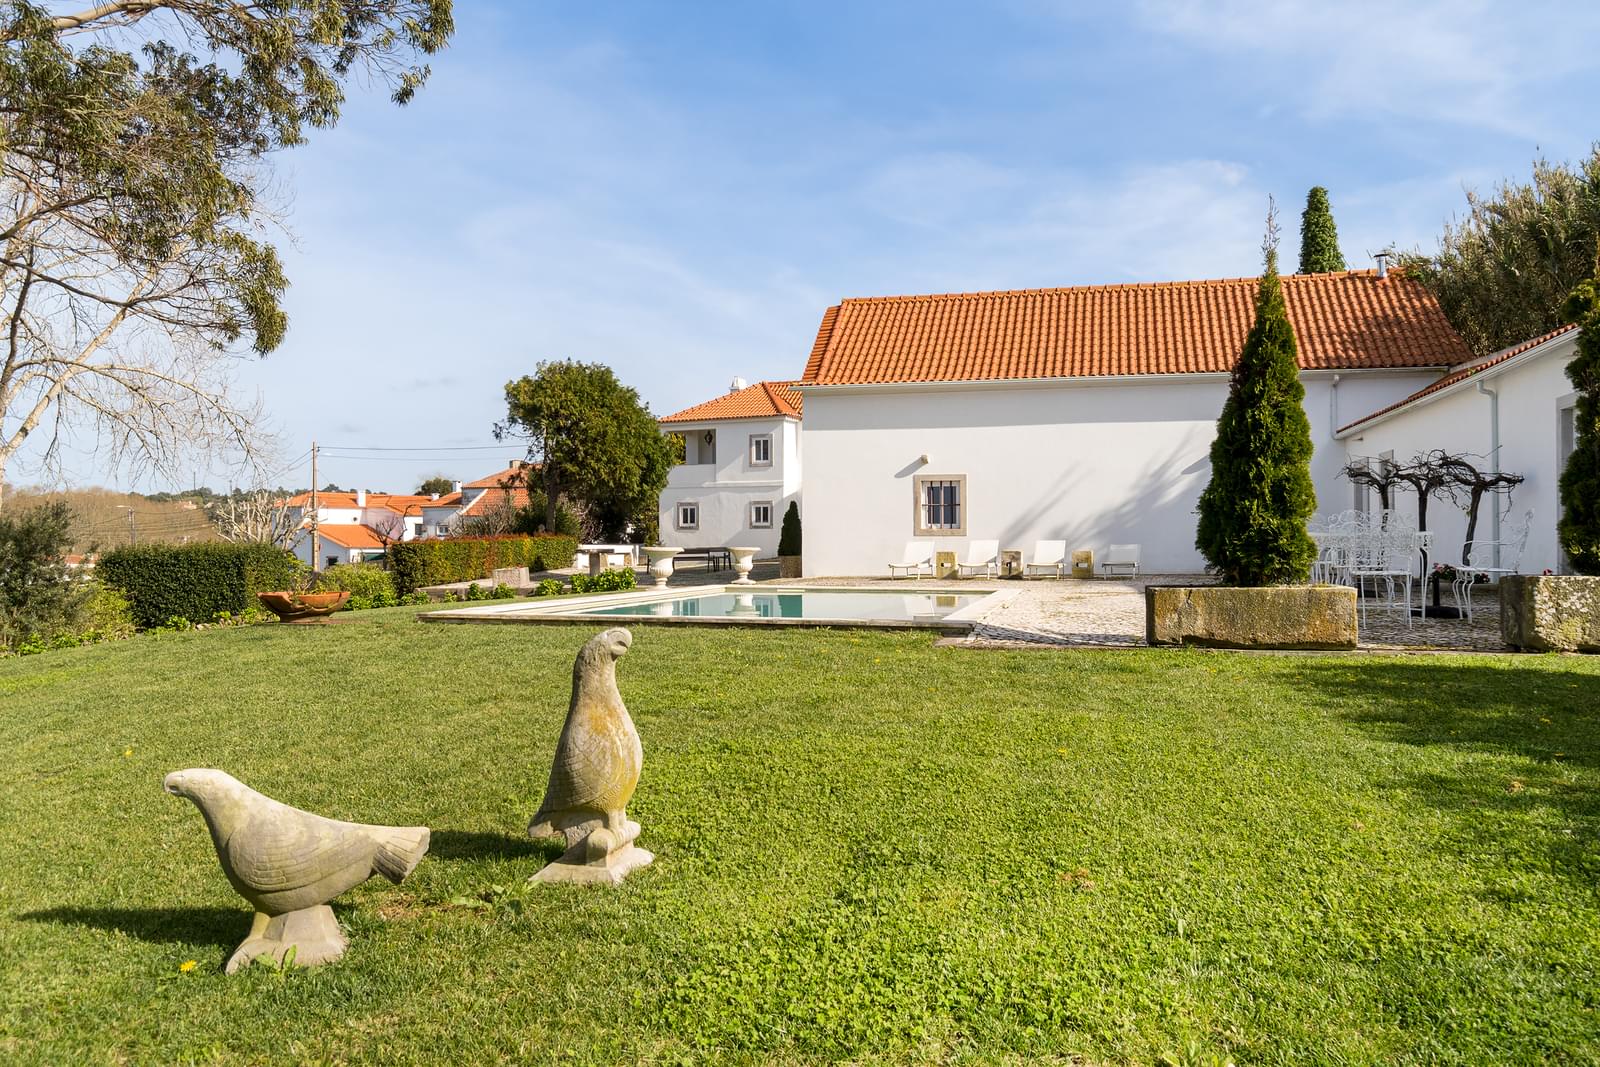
416, 448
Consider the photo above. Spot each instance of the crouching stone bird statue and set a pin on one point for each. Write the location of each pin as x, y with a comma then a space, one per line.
289, 863
595, 771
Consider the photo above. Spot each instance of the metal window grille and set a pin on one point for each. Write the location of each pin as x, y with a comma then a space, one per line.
941, 505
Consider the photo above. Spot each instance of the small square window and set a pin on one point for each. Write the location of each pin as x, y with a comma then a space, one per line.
688, 516
940, 505
761, 515
761, 450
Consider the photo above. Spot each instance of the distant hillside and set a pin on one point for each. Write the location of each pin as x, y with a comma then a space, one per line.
100, 517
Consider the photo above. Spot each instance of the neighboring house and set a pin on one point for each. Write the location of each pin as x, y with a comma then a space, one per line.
1512, 411
741, 468
1085, 413
502, 489
362, 522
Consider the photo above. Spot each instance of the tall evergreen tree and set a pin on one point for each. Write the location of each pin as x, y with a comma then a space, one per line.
1579, 528
1319, 237
1252, 528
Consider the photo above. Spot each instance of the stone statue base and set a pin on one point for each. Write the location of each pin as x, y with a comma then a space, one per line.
313, 933
600, 856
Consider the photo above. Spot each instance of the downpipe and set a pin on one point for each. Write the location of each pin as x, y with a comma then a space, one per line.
1494, 465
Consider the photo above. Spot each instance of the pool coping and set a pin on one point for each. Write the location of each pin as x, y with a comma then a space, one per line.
560, 613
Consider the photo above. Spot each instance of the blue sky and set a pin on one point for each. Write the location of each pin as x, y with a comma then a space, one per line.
680, 190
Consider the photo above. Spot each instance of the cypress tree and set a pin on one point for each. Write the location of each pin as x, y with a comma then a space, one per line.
1252, 528
1579, 528
1319, 238
789, 536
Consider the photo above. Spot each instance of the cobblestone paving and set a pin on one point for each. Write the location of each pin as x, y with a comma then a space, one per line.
1102, 613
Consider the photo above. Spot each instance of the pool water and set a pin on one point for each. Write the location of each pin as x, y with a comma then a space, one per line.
811, 604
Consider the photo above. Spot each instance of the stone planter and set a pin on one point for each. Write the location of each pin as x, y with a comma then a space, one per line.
1550, 613
303, 607
744, 561
788, 566
1288, 616
661, 562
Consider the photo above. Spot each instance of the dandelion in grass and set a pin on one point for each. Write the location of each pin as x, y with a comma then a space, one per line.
127, 753
187, 965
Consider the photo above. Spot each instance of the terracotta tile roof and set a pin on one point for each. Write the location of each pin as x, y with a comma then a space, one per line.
1342, 321
1461, 374
513, 472
763, 399
350, 535
399, 503
493, 498
446, 500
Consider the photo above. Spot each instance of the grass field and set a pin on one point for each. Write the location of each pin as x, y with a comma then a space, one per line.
867, 849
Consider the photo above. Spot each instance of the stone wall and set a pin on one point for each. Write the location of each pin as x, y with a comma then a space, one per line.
1550, 613
1293, 616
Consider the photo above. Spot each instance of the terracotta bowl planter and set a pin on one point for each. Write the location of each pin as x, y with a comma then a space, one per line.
303, 607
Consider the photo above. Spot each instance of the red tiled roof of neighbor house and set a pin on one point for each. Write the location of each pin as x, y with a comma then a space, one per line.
399, 503
446, 500
494, 498
1461, 374
350, 535
516, 472
761, 400
1342, 321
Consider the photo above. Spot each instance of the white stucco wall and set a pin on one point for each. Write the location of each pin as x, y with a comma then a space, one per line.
725, 489
1458, 420
1093, 461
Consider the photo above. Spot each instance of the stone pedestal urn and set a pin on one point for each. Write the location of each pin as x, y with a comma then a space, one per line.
744, 560
661, 562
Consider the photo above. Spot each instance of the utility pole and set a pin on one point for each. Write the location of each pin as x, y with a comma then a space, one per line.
133, 532
316, 541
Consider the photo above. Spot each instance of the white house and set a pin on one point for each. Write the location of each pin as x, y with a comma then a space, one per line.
741, 468
1085, 413
1514, 412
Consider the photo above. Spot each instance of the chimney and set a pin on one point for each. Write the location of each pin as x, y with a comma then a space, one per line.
361, 498
737, 384
455, 487
1383, 264
433, 496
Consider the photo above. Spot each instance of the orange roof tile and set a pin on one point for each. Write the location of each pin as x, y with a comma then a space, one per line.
446, 500
350, 535
494, 498
399, 503
761, 400
1346, 320
515, 472
1461, 374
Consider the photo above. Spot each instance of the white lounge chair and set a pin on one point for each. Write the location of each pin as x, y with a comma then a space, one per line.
1120, 559
982, 557
1048, 556
917, 555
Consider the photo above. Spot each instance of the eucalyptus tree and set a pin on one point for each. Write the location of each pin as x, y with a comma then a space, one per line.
135, 260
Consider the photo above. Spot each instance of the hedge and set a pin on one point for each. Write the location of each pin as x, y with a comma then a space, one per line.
434, 561
195, 582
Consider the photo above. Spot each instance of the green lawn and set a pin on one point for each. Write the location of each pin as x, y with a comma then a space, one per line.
867, 849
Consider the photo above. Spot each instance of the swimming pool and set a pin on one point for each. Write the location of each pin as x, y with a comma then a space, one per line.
953, 610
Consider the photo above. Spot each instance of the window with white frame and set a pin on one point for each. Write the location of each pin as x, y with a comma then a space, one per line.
688, 515
941, 505
761, 515
761, 450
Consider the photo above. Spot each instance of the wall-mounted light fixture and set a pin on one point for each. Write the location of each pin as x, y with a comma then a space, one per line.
923, 459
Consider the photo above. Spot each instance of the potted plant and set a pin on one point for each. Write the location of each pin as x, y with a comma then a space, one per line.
789, 543
304, 603
1252, 528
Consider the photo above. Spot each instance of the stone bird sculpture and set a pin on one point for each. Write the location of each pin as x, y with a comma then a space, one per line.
289, 863
595, 771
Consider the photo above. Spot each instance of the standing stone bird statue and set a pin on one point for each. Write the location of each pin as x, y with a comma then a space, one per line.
289, 863
594, 774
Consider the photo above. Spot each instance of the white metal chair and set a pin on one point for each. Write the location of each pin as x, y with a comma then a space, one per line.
1385, 555
917, 555
1048, 557
982, 558
1120, 558
1511, 549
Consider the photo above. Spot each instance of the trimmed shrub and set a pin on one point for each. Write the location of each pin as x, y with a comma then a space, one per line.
1579, 527
607, 581
549, 587
369, 586
1319, 237
196, 583
1252, 528
435, 561
789, 537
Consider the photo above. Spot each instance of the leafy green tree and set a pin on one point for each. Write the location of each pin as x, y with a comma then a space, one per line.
37, 595
1579, 527
436, 484
1252, 528
596, 442
1503, 273
1319, 238
131, 255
